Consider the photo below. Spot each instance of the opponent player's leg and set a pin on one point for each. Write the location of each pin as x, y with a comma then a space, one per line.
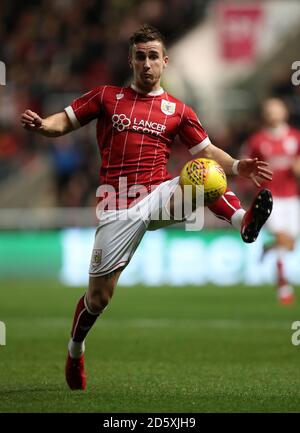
284, 225
283, 243
88, 309
250, 222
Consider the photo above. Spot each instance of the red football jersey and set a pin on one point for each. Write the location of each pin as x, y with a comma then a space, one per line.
279, 148
135, 132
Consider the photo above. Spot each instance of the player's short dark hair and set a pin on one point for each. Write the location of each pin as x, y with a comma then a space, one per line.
145, 34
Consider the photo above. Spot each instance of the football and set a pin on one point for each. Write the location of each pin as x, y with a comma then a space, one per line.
207, 173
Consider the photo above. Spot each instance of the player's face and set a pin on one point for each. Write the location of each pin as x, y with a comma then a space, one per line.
274, 112
148, 62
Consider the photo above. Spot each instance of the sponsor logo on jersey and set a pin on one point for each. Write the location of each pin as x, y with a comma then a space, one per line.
167, 107
119, 96
148, 127
122, 122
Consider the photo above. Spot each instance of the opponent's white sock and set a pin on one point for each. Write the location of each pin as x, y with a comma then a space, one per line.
236, 219
76, 348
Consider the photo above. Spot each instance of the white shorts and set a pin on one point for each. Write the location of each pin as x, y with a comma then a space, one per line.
120, 231
285, 216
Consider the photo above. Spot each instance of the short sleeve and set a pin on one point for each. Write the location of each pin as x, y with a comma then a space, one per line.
86, 108
192, 133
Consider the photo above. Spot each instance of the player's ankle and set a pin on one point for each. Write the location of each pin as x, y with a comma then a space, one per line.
76, 348
237, 218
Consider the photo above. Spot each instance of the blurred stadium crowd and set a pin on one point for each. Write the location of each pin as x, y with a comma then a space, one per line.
55, 51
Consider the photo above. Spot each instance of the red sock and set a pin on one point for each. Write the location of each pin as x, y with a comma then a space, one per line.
82, 322
280, 274
226, 206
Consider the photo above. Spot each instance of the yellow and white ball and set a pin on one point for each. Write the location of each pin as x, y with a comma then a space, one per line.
206, 173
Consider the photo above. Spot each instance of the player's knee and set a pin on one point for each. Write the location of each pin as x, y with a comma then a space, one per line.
97, 301
101, 289
99, 293
104, 298
290, 244
285, 241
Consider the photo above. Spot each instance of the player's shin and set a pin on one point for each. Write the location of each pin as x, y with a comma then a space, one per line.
228, 208
83, 321
285, 291
281, 280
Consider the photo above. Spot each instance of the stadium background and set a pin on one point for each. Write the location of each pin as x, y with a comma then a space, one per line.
224, 58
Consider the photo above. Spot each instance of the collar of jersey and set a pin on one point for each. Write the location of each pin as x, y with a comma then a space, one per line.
154, 93
279, 131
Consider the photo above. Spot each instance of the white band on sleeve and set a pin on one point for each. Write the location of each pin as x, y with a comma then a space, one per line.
234, 167
200, 146
71, 115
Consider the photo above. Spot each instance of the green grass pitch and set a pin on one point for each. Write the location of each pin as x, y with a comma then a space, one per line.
167, 349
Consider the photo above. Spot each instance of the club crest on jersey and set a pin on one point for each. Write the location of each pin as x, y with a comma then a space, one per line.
167, 107
119, 96
97, 256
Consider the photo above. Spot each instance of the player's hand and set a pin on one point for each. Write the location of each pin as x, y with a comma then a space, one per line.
255, 170
31, 121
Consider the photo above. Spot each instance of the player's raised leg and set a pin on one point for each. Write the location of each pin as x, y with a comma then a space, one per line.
250, 222
88, 309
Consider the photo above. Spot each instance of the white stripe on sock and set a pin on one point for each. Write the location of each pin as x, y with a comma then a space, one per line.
76, 348
237, 218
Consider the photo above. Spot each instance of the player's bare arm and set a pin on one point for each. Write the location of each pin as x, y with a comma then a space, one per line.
55, 125
250, 168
